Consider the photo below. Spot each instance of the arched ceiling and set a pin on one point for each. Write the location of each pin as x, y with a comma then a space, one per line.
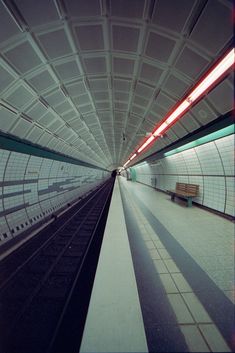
88, 78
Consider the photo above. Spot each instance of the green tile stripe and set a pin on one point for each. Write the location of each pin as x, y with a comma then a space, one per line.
12, 143
229, 130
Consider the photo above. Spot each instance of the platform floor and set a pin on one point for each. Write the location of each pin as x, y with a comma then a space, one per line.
183, 264
114, 322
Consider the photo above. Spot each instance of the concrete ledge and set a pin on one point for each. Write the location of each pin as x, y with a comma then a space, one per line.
114, 321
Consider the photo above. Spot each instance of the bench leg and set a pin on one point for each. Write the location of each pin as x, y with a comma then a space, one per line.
172, 197
190, 202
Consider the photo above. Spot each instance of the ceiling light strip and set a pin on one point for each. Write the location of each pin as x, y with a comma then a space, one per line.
132, 157
127, 162
213, 76
210, 80
147, 142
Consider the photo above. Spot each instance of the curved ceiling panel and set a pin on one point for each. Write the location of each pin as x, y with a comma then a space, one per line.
89, 78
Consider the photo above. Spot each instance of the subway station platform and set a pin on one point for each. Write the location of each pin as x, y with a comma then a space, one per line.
165, 277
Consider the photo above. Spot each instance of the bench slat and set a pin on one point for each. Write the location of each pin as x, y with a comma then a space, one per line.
185, 190
191, 189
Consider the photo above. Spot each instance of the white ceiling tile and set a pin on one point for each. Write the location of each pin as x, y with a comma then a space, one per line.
36, 111
90, 37
55, 125
21, 128
52, 143
20, 96
165, 101
55, 43
77, 124
69, 115
83, 8
95, 65
34, 134
150, 73
159, 47
67, 70
103, 105
120, 106
42, 81
190, 63
122, 85
179, 130
47, 118
86, 109
98, 84
189, 122
171, 135
44, 138
125, 38
160, 111
143, 90
8, 25
7, 119
140, 101
63, 107
82, 99
101, 95
175, 86
6, 78
131, 8
18, 54
123, 66
38, 12
222, 97
137, 110
76, 89
172, 14
203, 113
214, 27
123, 96
55, 98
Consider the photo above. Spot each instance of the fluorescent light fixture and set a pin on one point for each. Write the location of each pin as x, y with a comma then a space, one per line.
126, 163
210, 79
132, 157
162, 127
213, 76
181, 108
146, 143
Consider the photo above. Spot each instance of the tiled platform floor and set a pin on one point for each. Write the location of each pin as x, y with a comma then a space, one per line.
208, 238
164, 281
208, 242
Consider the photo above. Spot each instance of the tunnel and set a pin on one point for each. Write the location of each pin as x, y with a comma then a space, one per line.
116, 176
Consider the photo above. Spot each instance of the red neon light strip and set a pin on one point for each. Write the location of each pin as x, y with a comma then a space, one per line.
147, 142
210, 80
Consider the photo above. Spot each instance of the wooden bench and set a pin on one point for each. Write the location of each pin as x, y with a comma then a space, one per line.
187, 191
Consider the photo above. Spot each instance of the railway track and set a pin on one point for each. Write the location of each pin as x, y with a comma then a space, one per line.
46, 285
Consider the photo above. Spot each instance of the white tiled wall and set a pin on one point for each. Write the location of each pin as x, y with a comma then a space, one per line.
210, 165
32, 188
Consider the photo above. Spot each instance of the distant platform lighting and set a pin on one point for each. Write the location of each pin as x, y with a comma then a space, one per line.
212, 77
